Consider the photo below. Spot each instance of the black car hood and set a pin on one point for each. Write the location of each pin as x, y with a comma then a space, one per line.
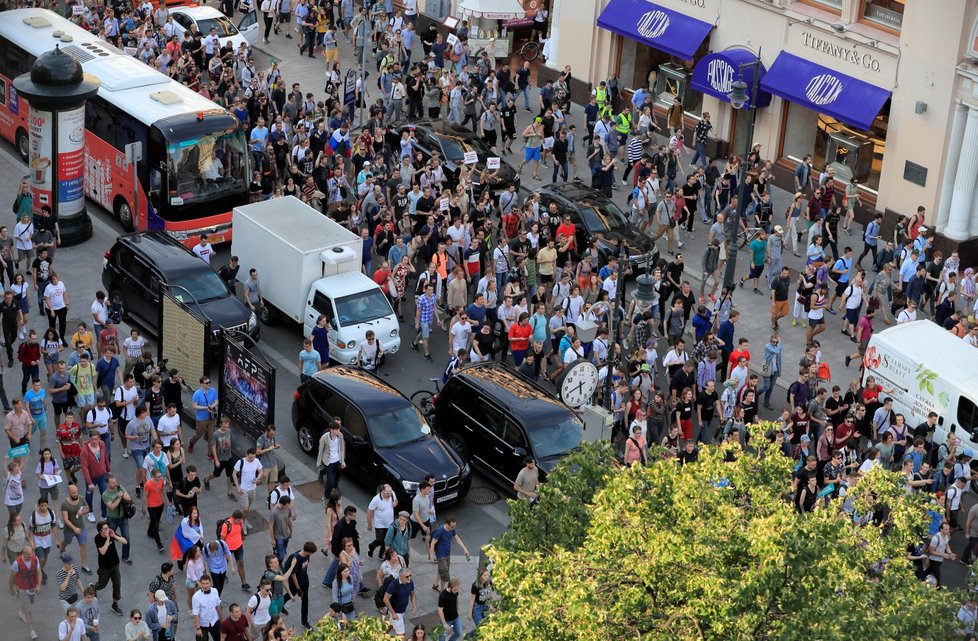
224, 312
413, 461
637, 242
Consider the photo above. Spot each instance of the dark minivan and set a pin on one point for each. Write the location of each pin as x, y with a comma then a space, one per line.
387, 438
139, 263
494, 417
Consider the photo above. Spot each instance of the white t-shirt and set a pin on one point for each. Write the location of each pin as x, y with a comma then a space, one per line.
383, 512
76, 633
168, 428
204, 251
248, 473
150, 461
855, 296
100, 416
205, 606
258, 607
126, 396
100, 312
461, 333
55, 293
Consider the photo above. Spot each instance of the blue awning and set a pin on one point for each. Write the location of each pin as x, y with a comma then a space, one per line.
716, 72
825, 90
667, 30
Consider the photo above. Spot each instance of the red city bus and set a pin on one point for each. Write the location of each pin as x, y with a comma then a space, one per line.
195, 165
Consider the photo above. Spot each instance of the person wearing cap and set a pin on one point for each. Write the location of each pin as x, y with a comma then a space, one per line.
398, 536
161, 617
70, 587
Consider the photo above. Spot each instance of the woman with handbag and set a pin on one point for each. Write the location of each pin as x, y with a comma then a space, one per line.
770, 369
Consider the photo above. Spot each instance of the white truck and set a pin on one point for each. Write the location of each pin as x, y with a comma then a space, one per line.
310, 265
928, 369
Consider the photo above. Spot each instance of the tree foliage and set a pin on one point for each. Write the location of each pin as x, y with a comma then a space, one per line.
711, 551
365, 628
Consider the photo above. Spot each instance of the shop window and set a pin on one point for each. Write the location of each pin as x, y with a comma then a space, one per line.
835, 6
665, 76
886, 13
850, 151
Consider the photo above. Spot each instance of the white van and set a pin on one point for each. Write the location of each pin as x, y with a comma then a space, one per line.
929, 369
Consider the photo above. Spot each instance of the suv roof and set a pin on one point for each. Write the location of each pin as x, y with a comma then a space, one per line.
371, 394
520, 395
572, 190
161, 248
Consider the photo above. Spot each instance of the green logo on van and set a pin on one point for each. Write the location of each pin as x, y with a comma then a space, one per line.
925, 378
943, 400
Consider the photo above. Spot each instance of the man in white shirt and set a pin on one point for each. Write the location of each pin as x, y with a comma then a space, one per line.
207, 610
247, 472
462, 334
258, 606
908, 314
168, 427
71, 628
203, 249
574, 352
100, 313
211, 42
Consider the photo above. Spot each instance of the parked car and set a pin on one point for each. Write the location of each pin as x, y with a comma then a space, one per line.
387, 438
494, 418
597, 217
452, 142
201, 18
139, 263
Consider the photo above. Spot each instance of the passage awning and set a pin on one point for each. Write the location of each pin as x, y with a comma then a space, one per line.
715, 74
825, 90
664, 29
491, 9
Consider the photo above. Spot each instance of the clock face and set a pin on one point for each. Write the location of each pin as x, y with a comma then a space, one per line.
579, 383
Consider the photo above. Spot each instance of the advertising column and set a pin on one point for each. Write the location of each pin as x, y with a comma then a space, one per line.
57, 172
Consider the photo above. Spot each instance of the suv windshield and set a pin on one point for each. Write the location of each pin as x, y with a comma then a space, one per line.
556, 435
600, 215
455, 148
398, 427
210, 167
225, 28
203, 286
362, 307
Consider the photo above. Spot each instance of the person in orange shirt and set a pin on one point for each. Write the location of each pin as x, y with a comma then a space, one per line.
232, 533
519, 338
568, 229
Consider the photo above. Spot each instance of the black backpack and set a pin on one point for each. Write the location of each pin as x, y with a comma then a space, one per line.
220, 526
382, 590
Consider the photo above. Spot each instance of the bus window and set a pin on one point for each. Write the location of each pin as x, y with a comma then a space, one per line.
155, 186
967, 415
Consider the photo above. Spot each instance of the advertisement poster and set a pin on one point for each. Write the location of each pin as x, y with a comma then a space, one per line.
71, 161
39, 162
247, 389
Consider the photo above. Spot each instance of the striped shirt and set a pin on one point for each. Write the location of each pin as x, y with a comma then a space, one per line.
72, 589
635, 149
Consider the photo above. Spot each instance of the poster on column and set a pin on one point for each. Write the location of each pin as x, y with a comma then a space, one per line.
71, 161
39, 161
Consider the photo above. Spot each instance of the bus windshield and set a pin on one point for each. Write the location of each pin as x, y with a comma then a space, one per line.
208, 168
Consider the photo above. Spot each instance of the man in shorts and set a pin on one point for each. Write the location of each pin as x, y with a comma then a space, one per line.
864, 329
73, 513
399, 594
265, 448
35, 398
68, 435
205, 409
25, 574
533, 139
440, 551
221, 456
247, 473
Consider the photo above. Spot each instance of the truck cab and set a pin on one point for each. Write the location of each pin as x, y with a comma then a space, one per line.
353, 304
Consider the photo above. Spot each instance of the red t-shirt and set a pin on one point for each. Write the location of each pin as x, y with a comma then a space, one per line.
68, 436
569, 230
382, 277
232, 630
736, 354
871, 394
519, 336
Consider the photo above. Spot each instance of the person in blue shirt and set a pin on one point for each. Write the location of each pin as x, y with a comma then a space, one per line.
915, 286
702, 322
309, 362
218, 555
841, 271
871, 239
205, 409
725, 333
368, 248
440, 551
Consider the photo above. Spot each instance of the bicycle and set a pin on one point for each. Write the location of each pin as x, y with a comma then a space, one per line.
425, 399
530, 50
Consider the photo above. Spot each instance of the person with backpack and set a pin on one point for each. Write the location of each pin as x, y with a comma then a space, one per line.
259, 608
247, 473
398, 536
231, 532
399, 594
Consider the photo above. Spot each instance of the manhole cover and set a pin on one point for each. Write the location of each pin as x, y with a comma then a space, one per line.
483, 495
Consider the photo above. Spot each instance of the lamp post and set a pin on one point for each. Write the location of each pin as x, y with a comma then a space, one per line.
738, 99
614, 352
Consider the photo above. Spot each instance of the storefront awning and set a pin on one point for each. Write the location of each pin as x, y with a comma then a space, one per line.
491, 9
670, 31
825, 90
715, 74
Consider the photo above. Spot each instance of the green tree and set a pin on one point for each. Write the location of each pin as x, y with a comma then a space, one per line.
713, 551
365, 628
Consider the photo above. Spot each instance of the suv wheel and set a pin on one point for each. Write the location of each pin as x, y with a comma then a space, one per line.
307, 439
459, 445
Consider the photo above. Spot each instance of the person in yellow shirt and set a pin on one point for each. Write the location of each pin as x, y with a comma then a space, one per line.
84, 335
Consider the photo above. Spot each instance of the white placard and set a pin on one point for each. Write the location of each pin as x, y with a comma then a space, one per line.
471, 157
52, 479
451, 40
77, 10
443, 204
492, 163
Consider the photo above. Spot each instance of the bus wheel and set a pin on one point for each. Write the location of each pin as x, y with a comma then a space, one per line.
23, 145
124, 213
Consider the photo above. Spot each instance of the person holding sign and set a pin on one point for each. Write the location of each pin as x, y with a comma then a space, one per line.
489, 124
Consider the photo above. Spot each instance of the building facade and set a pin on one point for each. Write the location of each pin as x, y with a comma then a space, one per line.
882, 90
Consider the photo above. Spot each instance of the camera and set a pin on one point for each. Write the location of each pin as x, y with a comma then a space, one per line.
163, 362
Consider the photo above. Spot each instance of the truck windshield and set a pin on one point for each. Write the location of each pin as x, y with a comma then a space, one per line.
398, 427
362, 307
203, 286
555, 436
207, 168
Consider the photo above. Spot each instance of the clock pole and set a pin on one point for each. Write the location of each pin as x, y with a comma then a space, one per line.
614, 352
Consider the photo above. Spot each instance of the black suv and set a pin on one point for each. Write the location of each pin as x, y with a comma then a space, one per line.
495, 417
138, 264
597, 217
387, 439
